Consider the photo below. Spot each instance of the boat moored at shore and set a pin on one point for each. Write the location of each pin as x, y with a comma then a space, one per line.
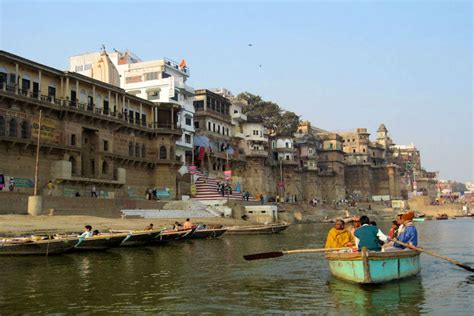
257, 229
44, 247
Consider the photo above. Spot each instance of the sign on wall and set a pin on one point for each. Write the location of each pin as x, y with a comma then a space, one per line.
49, 130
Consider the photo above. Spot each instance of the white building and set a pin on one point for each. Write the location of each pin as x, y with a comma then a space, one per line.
160, 81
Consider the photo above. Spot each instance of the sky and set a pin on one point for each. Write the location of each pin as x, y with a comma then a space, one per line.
339, 64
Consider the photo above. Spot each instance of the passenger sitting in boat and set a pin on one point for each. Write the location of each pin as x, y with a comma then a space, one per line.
355, 223
95, 233
382, 237
87, 233
394, 230
338, 237
149, 227
409, 234
367, 235
177, 226
187, 224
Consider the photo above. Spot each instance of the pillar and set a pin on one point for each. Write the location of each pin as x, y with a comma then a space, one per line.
35, 205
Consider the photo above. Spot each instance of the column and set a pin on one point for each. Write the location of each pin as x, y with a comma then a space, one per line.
68, 93
39, 84
116, 108
172, 118
141, 109
16, 77
61, 89
93, 97
110, 102
78, 94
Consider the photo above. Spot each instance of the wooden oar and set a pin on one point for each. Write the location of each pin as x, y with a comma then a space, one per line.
275, 254
431, 253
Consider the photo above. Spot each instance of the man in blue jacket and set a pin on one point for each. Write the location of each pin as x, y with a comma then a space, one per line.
408, 235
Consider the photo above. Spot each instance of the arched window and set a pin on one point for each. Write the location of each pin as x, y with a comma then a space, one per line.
73, 165
137, 150
12, 132
130, 149
2, 126
163, 154
105, 167
143, 151
25, 130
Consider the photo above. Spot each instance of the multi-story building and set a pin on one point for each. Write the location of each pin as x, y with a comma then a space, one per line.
88, 135
212, 121
159, 81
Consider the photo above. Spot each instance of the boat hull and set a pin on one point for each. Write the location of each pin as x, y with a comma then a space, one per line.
208, 233
99, 243
38, 248
257, 230
169, 235
139, 239
374, 267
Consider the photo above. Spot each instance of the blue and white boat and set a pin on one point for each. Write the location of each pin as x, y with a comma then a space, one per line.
367, 267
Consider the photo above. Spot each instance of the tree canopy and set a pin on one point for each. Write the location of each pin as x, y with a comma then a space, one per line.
282, 122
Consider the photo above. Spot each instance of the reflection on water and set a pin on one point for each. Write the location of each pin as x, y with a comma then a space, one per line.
210, 276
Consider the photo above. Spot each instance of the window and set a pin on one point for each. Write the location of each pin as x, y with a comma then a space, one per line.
198, 105
187, 138
92, 166
137, 150
73, 139
87, 66
163, 153
196, 124
255, 132
105, 167
51, 93
227, 131
188, 120
106, 145
2, 126
154, 95
218, 129
214, 127
144, 119
287, 145
363, 150
143, 151
133, 79
130, 149
137, 118
209, 126
353, 150
12, 132
165, 75
73, 165
79, 68
130, 116
25, 130
13, 79
151, 75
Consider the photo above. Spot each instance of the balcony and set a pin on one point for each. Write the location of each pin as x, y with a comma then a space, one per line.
74, 106
257, 153
175, 66
284, 150
239, 135
239, 117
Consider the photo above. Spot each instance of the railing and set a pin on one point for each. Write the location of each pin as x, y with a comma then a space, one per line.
175, 65
86, 108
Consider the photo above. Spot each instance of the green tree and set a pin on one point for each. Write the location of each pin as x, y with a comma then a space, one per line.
458, 187
287, 124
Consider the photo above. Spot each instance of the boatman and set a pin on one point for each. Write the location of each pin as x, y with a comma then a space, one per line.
409, 234
339, 237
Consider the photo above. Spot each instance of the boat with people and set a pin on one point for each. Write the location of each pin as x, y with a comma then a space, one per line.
99, 242
370, 267
257, 229
33, 246
174, 234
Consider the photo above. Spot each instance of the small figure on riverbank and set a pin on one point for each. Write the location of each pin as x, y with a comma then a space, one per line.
94, 191
339, 237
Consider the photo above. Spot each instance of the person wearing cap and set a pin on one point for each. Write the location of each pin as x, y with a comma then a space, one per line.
409, 235
338, 237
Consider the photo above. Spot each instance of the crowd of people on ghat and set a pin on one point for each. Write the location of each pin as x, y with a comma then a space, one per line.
364, 233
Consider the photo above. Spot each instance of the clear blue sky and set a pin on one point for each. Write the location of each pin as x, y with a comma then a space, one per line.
341, 65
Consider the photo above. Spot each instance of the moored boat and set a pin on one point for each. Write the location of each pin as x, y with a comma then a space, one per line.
138, 238
95, 243
171, 234
257, 229
442, 217
208, 232
35, 247
367, 267
419, 219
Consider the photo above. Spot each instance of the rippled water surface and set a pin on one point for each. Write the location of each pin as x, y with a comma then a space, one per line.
210, 276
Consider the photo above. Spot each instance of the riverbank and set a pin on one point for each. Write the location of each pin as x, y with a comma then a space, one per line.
16, 225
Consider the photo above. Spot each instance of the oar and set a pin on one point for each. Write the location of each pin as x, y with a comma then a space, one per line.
431, 253
275, 254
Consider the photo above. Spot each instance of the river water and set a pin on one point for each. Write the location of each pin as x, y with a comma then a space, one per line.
210, 276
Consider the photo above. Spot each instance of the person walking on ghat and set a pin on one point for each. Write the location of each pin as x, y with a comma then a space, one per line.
50, 186
94, 191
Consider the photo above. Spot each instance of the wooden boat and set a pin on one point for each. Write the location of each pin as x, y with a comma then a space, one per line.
208, 232
442, 217
95, 243
43, 247
137, 238
257, 229
171, 234
367, 267
419, 219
